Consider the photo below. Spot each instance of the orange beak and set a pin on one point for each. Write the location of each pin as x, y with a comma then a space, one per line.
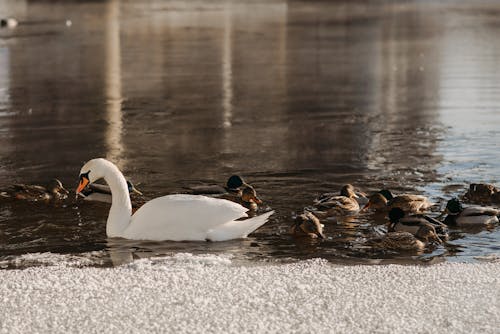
83, 183
257, 200
367, 205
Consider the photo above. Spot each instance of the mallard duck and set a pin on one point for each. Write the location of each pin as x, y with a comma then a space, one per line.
472, 215
233, 186
307, 225
400, 222
482, 193
405, 241
102, 193
385, 200
54, 190
333, 205
173, 217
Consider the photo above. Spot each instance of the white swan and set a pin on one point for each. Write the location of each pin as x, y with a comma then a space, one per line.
172, 217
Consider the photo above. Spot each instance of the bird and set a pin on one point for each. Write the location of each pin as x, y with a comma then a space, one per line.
400, 222
236, 190
307, 225
405, 241
482, 193
180, 217
53, 191
102, 193
246, 196
330, 204
457, 215
385, 200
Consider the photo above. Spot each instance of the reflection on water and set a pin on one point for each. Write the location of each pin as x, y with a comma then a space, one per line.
298, 97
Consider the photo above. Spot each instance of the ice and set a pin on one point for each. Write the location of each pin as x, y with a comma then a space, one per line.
189, 293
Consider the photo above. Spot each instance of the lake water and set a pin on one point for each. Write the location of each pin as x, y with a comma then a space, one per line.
299, 97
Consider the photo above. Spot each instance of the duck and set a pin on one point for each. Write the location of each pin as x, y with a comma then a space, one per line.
385, 200
333, 205
307, 225
400, 222
53, 191
457, 215
236, 190
233, 185
406, 241
482, 193
102, 193
246, 196
179, 217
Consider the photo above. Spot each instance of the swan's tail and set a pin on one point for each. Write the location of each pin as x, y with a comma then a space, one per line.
237, 229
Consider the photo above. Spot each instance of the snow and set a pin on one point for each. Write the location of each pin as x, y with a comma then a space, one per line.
189, 293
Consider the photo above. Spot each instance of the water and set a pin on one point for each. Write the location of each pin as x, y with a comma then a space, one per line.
298, 97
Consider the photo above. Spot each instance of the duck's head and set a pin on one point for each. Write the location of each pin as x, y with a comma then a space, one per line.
55, 187
132, 188
309, 224
94, 170
234, 182
387, 194
348, 191
377, 202
396, 214
249, 195
428, 233
453, 207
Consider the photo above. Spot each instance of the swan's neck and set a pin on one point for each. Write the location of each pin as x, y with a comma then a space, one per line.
121, 208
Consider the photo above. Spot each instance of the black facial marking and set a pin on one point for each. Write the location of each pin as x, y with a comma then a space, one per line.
85, 175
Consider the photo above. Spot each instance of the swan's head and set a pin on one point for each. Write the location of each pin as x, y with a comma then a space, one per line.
92, 171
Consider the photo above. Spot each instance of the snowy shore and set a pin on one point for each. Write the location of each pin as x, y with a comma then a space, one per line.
211, 294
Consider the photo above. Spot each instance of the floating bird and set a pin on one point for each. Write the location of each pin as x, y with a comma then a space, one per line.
307, 225
385, 200
333, 205
400, 222
482, 193
405, 241
172, 217
473, 215
54, 190
236, 190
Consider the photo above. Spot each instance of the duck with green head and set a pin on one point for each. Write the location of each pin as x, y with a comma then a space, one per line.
400, 222
53, 191
385, 200
307, 225
337, 205
473, 215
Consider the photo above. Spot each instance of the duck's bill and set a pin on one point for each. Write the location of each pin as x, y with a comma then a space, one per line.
83, 183
320, 235
366, 207
445, 212
256, 200
134, 190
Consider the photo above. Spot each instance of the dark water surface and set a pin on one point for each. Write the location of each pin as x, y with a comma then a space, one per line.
299, 97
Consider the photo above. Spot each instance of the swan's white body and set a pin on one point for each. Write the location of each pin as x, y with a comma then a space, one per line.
173, 217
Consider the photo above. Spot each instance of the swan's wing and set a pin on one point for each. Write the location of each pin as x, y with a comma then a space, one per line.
238, 229
181, 217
